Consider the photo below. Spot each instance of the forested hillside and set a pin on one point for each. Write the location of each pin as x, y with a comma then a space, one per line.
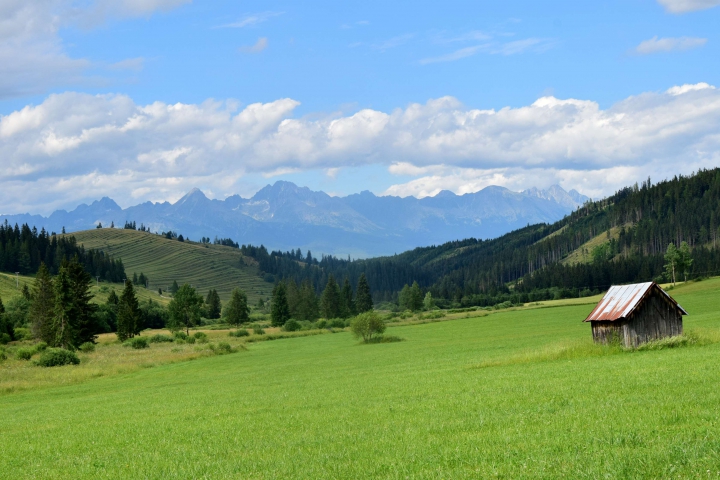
23, 249
525, 265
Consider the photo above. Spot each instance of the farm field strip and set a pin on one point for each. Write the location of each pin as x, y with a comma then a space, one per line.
165, 261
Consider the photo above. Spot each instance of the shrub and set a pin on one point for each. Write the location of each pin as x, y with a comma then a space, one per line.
434, 314
24, 353
258, 331
221, 348
322, 323
55, 357
292, 326
201, 337
160, 338
336, 323
22, 333
87, 347
180, 335
137, 343
367, 325
5, 339
240, 332
190, 340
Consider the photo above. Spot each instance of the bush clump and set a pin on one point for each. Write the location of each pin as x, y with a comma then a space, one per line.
160, 338
367, 325
240, 332
258, 331
87, 347
5, 339
24, 353
137, 343
56, 357
337, 323
180, 335
200, 337
221, 348
292, 326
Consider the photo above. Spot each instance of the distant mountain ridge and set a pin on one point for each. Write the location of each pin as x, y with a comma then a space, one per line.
286, 216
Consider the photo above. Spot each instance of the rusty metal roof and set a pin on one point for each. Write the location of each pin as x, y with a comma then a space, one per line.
621, 300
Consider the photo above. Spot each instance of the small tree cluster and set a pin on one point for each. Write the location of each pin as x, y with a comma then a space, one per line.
236, 311
678, 261
411, 298
185, 309
213, 306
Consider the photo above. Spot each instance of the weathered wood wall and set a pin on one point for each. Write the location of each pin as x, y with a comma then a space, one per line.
655, 318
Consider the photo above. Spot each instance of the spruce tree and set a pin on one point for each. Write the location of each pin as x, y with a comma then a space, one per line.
128, 313
83, 310
61, 331
293, 297
43, 306
363, 298
174, 287
135, 278
280, 311
416, 297
308, 308
236, 311
213, 304
346, 300
112, 298
330, 306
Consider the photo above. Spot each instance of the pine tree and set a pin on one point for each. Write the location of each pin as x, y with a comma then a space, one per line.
43, 306
347, 306
128, 313
280, 311
363, 298
416, 297
174, 287
428, 302
142, 280
135, 278
330, 300
213, 304
236, 311
293, 297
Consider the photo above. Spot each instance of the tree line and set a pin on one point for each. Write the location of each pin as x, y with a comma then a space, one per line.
24, 249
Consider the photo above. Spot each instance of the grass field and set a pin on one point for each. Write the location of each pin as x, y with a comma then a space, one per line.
451, 401
165, 261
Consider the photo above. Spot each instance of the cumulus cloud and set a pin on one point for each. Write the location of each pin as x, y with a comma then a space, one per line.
658, 45
258, 47
32, 55
82, 144
684, 6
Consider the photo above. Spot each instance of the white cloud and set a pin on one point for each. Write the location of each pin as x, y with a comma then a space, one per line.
76, 144
134, 64
32, 55
657, 45
259, 46
252, 19
684, 6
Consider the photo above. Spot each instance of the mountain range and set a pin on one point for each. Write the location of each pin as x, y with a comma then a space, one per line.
285, 216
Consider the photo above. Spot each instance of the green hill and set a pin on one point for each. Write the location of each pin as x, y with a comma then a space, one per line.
163, 261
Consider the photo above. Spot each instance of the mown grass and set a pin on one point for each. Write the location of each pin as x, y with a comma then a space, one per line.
165, 261
325, 406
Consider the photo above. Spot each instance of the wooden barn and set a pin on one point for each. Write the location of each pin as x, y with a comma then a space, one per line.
635, 314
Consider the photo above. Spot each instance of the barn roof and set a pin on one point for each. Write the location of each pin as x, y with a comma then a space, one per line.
621, 300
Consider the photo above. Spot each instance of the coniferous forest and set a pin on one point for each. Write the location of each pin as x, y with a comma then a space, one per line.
639, 222
23, 249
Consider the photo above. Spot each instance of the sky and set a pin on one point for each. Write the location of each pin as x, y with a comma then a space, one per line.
143, 100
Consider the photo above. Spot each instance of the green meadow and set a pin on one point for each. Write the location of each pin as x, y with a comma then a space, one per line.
515, 394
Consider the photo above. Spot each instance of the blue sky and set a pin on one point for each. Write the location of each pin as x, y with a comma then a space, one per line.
142, 100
